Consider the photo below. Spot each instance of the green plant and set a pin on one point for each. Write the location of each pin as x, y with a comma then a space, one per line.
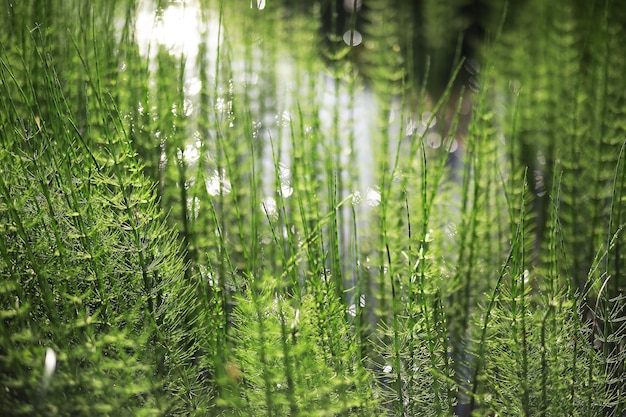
275, 225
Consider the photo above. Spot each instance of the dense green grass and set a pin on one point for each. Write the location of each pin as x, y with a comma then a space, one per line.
271, 224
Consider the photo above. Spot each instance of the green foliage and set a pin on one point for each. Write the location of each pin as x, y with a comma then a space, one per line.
85, 260
228, 232
298, 361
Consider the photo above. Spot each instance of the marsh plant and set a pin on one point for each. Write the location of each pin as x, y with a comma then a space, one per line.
325, 208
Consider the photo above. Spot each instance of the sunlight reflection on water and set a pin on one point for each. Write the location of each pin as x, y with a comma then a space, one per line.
175, 27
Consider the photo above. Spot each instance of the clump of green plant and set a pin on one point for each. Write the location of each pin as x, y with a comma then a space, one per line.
232, 235
86, 262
